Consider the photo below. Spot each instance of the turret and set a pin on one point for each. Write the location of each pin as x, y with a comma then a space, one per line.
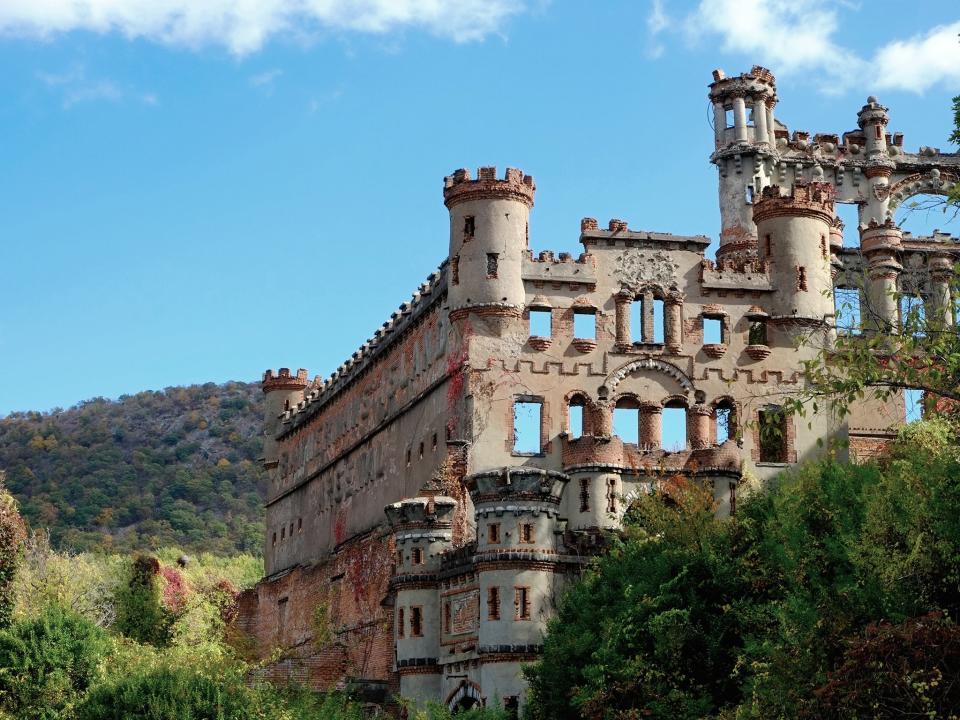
282, 392
794, 230
873, 119
744, 147
489, 225
518, 530
422, 529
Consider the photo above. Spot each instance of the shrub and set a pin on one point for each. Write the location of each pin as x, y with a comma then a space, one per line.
141, 615
12, 537
47, 663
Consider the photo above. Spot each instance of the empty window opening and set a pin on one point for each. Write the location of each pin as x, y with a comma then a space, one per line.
726, 422
493, 533
728, 117
400, 623
416, 622
408, 456
733, 498
540, 322
274, 538
299, 525
433, 445
469, 227
658, 321
526, 426
399, 557
879, 131
823, 246
511, 706
923, 214
291, 529
585, 325
421, 451
636, 320
913, 404
801, 278
446, 617
846, 303
712, 330
626, 420
575, 416
849, 214
455, 269
584, 494
283, 533
772, 427
493, 603
912, 315
526, 533
492, 262
416, 557
767, 251
757, 335
674, 428
748, 195
521, 602
612, 496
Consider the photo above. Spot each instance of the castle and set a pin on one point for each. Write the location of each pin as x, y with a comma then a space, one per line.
429, 500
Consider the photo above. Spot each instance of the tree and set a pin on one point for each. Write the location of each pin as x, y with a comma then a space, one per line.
141, 614
47, 663
12, 537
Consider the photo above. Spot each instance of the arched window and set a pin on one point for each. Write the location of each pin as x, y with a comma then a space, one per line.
674, 426
576, 411
725, 421
626, 419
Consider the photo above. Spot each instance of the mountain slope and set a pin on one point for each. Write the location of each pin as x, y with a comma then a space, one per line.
173, 467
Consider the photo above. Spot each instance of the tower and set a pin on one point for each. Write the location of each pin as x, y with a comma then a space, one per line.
489, 224
422, 529
745, 150
282, 391
794, 229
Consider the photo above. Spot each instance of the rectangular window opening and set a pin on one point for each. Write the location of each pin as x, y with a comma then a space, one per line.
526, 533
493, 533
416, 622
492, 261
728, 117
772, 426
585, 325
723, 417
912, 315
493, 603
658, 321
400, 623
576, 421
712, 331
801, 278
674, 429
521, 601
417, 556
469, 227
455, 269
540, 322
526, 427
636, 320
446, 617
757, 335
584, 494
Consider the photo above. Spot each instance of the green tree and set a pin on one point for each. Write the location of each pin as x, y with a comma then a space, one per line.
141, 614
12, 537
47, 663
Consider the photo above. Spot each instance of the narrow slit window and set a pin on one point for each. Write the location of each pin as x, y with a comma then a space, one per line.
802, 278
493, 603
585, 325
658, 321
446, 617
421, 451
748, 195
636, 320
540, 322
766, 246
526, 426
712, 331
526, 533
274, 538
521, 601
400, 623
399, 557
612, 496
575, 420
492, 263
455, 269
469, 227
493, 533
433, 445
674, 424
584, 495
416, 622
823, 246
416, 557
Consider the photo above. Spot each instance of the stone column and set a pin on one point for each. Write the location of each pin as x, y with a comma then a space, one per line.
740, 119
650, 420
623, 300
698, 426
771, 125
940, 308
602, 418
719, 124
647, 330
879, 244
760, 120
673, 322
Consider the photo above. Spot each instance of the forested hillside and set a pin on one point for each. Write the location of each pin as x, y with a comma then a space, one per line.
174, 467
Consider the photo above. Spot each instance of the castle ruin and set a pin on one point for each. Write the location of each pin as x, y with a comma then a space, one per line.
419, 533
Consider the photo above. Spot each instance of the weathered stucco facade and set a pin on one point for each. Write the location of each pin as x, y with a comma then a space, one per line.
446, 593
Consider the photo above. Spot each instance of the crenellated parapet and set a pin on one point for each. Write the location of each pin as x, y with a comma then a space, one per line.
283, 379
518, 483
803, 199
460, 187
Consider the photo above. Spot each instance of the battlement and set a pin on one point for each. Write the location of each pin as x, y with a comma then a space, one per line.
459, 187
813, 199
284, 380
619, 229
548, 256
759, 82
432, 511
519, 483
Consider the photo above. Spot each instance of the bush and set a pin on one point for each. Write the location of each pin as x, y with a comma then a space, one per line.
47, 663
141, 615
12, 536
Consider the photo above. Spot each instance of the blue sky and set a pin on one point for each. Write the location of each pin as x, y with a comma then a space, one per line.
197, 190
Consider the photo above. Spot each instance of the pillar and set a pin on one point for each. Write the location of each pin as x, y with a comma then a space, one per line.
740, 119
719, 124
760, 120
698, 426
603, 418
673, 322
940, 308
623, 301
879, 244
647, 330
771, 125
650, 421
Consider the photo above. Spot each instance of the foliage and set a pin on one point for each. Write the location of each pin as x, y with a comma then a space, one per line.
693, 617
910, 668
48, 662
437, 711
176, 467
12, 537
141, 613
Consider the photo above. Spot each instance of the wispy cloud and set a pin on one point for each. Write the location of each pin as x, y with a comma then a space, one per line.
792, 36
318, 102
75, 87
243, 26
657, 22
265, 80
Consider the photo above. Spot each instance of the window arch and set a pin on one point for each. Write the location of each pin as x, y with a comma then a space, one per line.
626, 418
724, 420
578, 420
673, 434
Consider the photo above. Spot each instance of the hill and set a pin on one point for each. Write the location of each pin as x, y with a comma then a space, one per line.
172, 467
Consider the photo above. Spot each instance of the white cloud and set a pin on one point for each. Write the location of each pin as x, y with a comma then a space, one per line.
657, 22
75, 87
243, 26
791, 36
920, 62
265, 80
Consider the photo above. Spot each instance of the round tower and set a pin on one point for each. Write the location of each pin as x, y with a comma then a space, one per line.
745, 143
517, 511
794, 230
489, 225
282, 391
873, 119
422, 529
